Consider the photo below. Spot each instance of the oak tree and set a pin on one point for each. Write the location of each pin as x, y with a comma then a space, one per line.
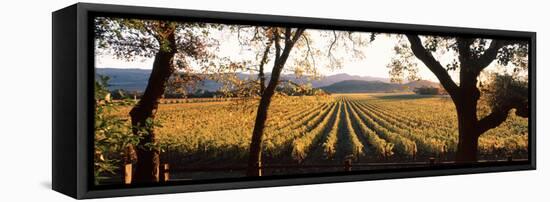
470, 56
174, 46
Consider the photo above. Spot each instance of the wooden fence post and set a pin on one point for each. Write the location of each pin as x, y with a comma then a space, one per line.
444, 153
127, 173
347, 165
414, 152
164, 172
432, 161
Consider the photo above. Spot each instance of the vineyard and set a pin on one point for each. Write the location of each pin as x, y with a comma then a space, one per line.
326, 129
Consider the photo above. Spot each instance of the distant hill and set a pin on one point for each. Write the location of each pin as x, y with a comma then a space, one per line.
328, 80
136, 80
127, 79
359, 86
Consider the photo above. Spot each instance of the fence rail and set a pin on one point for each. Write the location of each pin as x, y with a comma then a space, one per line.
166, 169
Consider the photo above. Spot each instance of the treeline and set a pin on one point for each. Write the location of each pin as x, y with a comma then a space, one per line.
427, 90
121, 94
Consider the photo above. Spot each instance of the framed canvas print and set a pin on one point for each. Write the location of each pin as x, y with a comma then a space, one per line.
155, 100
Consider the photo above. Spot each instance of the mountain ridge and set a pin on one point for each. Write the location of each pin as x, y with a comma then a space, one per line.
135, 79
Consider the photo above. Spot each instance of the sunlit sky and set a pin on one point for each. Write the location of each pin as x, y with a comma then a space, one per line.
378, 55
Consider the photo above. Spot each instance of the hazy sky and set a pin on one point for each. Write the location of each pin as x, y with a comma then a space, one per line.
377, 55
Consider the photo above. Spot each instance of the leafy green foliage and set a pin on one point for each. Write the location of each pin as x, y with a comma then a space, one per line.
504, 92
510, 54
403, 65
144, 131
112, 134
515, 54
427, 90
134, 39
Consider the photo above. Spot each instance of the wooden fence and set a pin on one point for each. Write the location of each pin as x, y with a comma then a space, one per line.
347, 166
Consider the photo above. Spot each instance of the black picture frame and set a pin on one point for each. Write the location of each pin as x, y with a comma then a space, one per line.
72, 99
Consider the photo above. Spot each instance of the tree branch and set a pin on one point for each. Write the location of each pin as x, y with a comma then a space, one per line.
148, 29
332, 44
489, 55
276, 39
427, 58
281, 57
290, 43
492, 120
263, 61
297, 35
288, 33
309, 52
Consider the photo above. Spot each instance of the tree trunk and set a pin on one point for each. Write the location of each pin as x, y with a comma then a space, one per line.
254, 162
467, 133
147, 166
255, 155
466, 109
262, 79
255, 158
